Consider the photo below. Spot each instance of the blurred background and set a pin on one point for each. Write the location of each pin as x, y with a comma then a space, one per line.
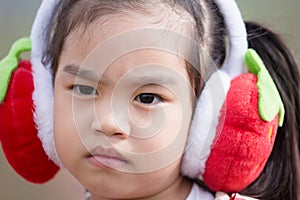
16, 18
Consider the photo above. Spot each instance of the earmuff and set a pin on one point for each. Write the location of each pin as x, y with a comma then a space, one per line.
232, 131
234, 126
19, 134
26, 112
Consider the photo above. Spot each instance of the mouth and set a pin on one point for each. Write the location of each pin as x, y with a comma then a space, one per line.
101, 157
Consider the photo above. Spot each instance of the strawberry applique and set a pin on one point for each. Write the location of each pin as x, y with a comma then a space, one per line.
18, 134
246, 130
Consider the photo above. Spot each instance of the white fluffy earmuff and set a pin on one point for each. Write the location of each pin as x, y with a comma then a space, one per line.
206, 114
43, 81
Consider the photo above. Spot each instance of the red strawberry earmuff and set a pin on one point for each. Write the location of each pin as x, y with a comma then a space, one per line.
234, 126
26, 113
233, 153
246, 131
21, 145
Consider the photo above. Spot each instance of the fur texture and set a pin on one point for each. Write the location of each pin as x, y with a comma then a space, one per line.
243, 141
18, 134
203, 125
43, 81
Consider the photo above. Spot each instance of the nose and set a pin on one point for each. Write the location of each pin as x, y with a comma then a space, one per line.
110, 123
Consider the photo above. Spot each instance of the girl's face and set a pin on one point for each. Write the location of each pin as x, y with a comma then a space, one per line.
122, 111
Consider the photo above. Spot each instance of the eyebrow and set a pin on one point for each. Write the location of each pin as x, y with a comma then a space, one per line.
74, 70
157, 78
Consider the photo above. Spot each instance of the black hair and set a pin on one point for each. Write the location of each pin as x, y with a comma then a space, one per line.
279, 177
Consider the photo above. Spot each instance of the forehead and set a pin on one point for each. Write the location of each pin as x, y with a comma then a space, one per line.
125, 42
140, 28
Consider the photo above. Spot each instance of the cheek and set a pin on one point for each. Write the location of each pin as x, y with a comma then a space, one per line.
156, 128
175, 130
166, 147
167, 120
65, 134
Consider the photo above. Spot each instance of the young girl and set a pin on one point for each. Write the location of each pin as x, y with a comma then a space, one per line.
127, 76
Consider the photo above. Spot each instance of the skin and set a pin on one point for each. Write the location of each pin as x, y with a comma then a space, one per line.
125, 108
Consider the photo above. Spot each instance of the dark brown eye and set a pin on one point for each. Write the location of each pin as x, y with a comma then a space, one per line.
148, 98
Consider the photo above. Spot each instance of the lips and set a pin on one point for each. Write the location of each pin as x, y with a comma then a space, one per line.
101, 157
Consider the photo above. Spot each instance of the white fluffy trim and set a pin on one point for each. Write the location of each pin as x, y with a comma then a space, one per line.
205, 119
237, 33
203, 125
43, 84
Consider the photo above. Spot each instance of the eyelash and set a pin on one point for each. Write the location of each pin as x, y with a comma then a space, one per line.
148, 98
79, 90
154, 98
